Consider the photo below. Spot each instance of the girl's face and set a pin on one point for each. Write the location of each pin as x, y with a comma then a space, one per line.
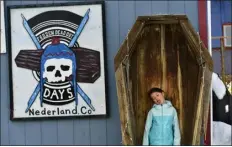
157, 97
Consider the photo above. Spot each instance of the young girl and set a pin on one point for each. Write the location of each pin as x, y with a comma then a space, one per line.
162, 127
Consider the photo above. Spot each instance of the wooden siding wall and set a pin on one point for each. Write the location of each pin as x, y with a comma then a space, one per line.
227, 60
120, 16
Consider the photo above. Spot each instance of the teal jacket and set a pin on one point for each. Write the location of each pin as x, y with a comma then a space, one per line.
162, 127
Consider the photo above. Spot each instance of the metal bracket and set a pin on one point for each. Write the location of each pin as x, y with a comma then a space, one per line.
201, 61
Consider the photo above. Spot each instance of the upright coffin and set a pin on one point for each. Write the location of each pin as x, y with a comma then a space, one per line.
163, 51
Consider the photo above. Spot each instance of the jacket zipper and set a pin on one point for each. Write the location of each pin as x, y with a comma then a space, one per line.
162, 124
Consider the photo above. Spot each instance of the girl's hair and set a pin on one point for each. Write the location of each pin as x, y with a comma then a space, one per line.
155, 89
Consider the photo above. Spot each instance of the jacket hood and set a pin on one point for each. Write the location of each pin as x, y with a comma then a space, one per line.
166, 104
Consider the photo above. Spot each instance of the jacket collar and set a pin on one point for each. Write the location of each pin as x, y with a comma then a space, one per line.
166, 104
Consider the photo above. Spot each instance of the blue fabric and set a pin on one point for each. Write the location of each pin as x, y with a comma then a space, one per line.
162, 126
58, 51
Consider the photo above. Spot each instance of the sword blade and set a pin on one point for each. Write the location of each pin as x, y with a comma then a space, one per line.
27, 27
33, 97
85, 97
79, 29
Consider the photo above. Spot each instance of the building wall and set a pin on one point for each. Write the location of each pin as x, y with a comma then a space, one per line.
120, 16
227, 60
220, 14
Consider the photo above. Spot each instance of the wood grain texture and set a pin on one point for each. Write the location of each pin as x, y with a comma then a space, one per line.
141, 104
165, 55
127, 135
193, 39
164, 62
206, 96
171, 65
88, 62
198, 114
180, 91
184, 75
162, 17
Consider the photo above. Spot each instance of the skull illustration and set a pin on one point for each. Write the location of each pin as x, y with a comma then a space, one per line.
56, 70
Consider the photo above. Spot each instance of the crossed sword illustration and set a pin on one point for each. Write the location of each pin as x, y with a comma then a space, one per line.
71, 44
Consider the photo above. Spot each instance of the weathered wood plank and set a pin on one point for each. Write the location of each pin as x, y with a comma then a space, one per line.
147, 70
133, 83
127, 135
191, 41
206, 96
142, 55
120, 55
180, 91
165, 56
162, 17
192, 36
162, 22
171, 65
184, 74
198, 111
142, 20
128, 84
153, 58
192, 96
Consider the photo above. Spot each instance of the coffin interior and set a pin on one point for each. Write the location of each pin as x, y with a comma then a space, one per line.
163, 51
151, 67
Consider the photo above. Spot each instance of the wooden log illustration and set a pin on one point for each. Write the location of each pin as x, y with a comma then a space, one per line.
88, 63
29, 59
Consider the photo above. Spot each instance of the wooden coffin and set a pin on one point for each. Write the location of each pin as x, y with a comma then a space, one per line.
163, 51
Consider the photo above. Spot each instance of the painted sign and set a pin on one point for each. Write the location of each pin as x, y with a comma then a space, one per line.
57, 55
3, 41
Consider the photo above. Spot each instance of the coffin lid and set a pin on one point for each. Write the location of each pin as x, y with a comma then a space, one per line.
188, 30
